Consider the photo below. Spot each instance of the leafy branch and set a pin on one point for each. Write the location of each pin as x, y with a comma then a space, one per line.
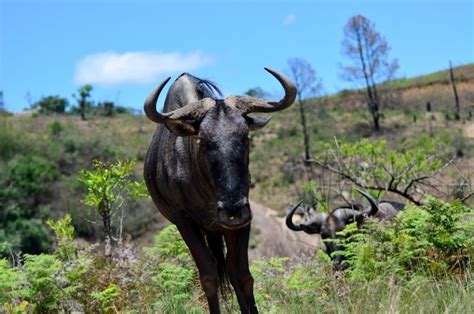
373, 166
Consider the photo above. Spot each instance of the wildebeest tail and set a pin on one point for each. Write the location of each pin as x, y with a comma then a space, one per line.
216, 245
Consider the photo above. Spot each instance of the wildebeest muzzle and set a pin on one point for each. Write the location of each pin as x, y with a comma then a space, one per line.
234, 215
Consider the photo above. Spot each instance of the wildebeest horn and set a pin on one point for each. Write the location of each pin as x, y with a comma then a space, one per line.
150, 104
345, 213
374, 208
289, 218
191, 111
310, 226
248, 104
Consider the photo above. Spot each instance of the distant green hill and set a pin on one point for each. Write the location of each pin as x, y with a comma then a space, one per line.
462, 73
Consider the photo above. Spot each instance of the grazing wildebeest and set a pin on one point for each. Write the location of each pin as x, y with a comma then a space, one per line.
196, 171
328, 224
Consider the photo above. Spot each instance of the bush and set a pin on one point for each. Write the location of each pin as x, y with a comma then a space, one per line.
109, 189
12, 142
55, 128
51, 104
22, 191
44, 288
27, 178
394, 263
374, 165
433, 240
174, 275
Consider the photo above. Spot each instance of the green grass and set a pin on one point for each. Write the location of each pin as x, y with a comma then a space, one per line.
385, 295
461, 73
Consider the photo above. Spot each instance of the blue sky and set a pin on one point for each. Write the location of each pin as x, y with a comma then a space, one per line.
124, 48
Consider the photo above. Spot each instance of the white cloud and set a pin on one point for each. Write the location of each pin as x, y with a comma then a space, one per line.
112, 68
289, 19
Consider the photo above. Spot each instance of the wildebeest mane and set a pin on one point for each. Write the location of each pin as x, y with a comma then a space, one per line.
205, 88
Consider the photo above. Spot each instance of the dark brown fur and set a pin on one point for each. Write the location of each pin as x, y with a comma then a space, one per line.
196, 170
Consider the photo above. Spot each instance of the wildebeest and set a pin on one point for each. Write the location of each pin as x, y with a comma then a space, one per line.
196, 170
328, 224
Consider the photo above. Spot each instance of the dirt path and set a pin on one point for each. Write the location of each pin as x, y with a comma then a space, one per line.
469, 130
269, 237
273, 238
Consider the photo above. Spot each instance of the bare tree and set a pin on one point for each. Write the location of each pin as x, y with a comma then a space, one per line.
368, 51
307, 85
457, 113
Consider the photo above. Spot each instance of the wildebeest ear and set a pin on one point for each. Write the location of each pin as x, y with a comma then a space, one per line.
180, 128
256, 123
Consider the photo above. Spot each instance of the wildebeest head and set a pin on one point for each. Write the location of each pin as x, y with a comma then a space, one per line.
328, 224
221, 127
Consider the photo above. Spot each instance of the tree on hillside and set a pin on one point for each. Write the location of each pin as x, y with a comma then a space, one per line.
51, 104
457, 112
256, 92
82, 100
368, 51
307, 85
106, 108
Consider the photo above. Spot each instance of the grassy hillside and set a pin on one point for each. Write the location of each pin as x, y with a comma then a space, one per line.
66, 145
420, 263
69, 144
464, 73
277, 156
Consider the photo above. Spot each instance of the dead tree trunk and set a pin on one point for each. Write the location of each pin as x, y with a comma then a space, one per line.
305, 130
306, 144
457, 113
82, 109
371, 89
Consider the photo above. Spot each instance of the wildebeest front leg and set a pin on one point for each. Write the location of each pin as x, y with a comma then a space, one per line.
237, 267
205, 262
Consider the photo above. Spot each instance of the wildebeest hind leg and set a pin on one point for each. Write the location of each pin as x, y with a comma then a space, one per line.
237, 268
205, 262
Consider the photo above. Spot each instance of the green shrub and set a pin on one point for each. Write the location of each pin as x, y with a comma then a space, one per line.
433, 240
22, 192
64, 231
27, 177
55, 128
375, 165
12, 142
51, 104
24, 235
176, 287
9, 283
174, 276
44, 288
107, 297
109, 190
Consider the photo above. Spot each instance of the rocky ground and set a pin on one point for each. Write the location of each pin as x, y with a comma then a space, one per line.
271, 237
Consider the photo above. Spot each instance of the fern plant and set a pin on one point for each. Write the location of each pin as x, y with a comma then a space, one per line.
435, 239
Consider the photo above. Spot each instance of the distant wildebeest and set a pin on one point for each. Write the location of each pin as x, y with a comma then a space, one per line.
328, 224
197, 173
